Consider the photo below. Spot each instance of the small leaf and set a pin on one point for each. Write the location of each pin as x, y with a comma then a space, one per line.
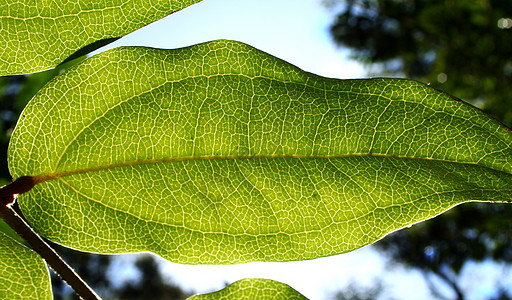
253, 288
23, 274
38, 35
220, 153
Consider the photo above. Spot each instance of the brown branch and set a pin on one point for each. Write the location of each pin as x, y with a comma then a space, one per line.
18, 186
7, 197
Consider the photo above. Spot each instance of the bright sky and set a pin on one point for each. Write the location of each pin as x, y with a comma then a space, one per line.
296, 31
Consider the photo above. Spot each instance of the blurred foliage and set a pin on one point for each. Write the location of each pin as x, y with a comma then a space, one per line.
356, 292
441, 247
463, 48
96, 269
151, 285
473, 231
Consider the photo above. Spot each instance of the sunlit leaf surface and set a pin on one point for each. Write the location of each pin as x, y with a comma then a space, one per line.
220, 153
253, 288
38, 35
23, 274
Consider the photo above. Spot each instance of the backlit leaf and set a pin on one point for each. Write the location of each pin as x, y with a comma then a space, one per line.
253, 288
23, 274
38, 35
220, 153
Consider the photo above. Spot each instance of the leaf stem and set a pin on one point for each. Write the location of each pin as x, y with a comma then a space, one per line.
47, 253
18, 186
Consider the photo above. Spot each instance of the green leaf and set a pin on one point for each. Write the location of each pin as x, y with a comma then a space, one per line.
41, 34
253, 288
23, 274
220, 153
8, 231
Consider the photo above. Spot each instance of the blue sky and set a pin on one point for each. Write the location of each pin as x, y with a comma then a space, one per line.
296, 31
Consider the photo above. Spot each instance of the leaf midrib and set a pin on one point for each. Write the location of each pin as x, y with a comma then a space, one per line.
55, 175
296, 81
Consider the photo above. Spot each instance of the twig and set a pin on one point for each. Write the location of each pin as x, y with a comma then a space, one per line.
36, 242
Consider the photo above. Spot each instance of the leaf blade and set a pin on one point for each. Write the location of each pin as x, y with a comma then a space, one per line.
230, 155
24, 274
42, 35
253, 288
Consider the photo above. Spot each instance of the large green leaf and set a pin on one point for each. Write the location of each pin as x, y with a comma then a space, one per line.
38, 35
253, 288
220, 153
23, 274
